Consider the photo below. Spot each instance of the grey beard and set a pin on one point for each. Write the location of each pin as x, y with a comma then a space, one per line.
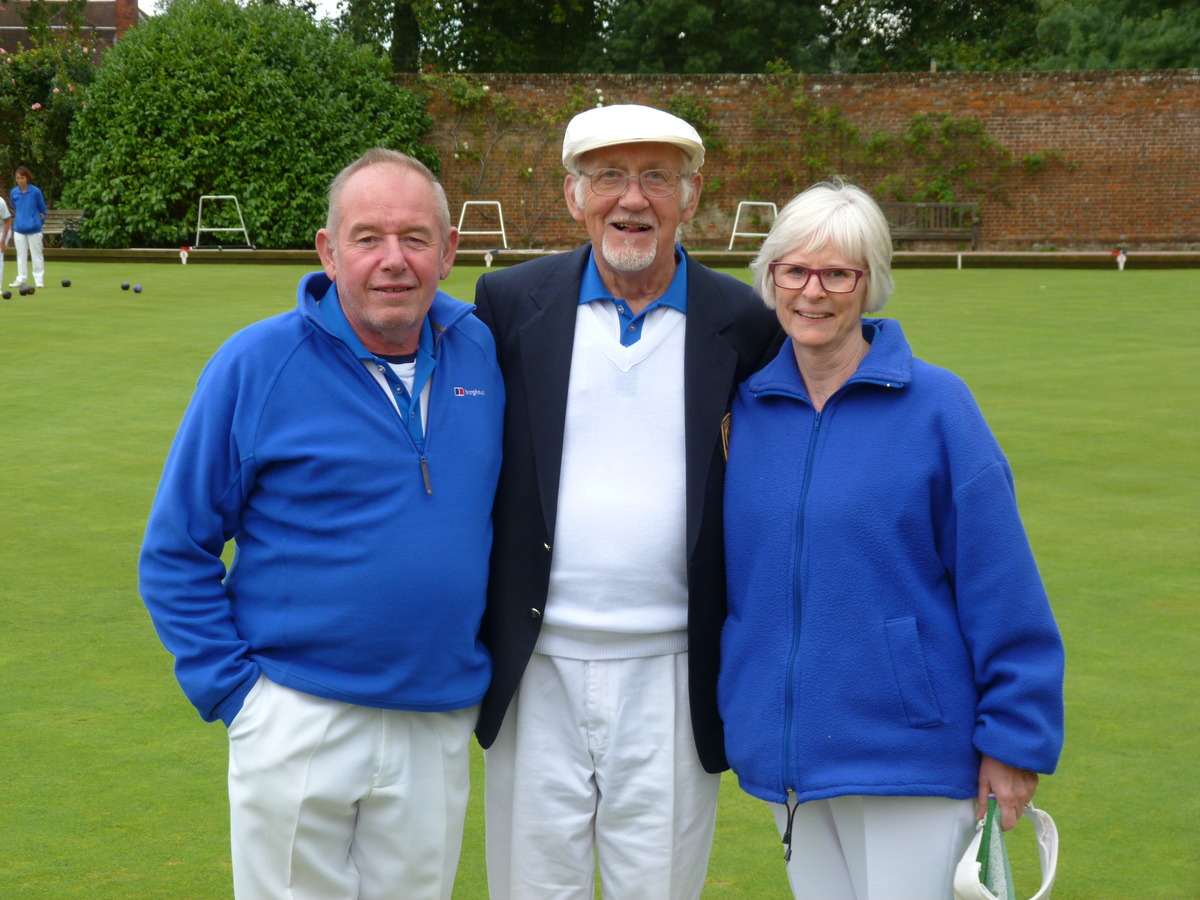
624, 258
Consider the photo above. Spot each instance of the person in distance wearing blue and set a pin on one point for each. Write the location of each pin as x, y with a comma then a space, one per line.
29, 214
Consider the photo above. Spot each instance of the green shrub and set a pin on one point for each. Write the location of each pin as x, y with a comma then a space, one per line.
210, 97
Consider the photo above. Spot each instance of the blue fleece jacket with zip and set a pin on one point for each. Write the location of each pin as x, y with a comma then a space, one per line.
887, 623
29, 209
361, 560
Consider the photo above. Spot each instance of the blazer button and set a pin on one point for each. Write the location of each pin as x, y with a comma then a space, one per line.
535, 613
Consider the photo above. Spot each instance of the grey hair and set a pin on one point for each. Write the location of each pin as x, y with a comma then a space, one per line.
836, 214
382, 156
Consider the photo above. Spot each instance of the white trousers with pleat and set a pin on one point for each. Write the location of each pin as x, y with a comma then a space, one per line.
877, 848
29, 246
331, 801
596, 762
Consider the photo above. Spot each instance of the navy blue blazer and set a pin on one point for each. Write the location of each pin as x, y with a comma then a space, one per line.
531, 310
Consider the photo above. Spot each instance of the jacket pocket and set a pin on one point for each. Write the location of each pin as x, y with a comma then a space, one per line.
912, 676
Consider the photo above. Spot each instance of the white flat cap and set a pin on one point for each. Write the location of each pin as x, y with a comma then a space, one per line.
606, 126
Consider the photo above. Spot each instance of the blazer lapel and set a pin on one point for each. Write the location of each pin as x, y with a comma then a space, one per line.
547, 339
709, 368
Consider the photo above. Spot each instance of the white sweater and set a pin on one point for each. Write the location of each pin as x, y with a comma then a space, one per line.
618, 578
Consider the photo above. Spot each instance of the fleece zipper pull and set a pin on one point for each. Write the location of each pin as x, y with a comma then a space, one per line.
787, 834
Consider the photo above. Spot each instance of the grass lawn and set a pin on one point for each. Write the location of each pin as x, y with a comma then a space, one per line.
113, 787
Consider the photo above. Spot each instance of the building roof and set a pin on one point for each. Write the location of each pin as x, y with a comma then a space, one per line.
105, 21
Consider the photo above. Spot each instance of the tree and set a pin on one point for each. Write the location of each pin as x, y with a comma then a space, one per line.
41, 88
969, 35
390, 26
307, 6
752, 36
40, 93
907, 35
698, 36
523, 35
210, 97
1119, 34
41, 16
474, 35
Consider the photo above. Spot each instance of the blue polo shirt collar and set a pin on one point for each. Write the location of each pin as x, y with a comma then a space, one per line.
592, 288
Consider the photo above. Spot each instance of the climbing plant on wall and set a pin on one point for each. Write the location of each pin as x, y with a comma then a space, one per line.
935, 157
498, 143
502, 142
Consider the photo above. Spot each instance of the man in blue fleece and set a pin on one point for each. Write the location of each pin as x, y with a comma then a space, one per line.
350, 449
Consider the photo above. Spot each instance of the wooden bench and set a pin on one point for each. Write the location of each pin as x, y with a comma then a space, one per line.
933, 221
57, 221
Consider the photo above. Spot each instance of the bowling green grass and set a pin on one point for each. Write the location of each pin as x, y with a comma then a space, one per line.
113, 787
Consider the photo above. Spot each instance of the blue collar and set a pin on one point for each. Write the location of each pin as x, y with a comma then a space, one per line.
592, 288
335, 317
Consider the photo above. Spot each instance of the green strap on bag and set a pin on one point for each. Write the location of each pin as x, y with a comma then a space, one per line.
984, 873
995, 873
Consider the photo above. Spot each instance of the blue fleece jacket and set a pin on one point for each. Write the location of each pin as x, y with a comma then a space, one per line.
29, 209
353, 579
887, 623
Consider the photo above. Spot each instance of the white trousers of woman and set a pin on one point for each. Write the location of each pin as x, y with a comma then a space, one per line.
29, 246
876, 848
596, 761
331, 801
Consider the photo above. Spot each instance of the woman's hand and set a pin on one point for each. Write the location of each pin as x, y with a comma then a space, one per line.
1012, 788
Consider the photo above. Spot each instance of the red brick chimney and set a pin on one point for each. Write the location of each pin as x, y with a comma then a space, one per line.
126, 16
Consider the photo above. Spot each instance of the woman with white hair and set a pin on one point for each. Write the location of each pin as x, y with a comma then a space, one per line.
890, 658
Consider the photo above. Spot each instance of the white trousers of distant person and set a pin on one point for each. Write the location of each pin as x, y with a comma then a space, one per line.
876, 848
596, 761
29, 246
331, 801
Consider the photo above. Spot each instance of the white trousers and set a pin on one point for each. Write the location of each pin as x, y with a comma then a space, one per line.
29, 245
877, 848
330, 801
596, 761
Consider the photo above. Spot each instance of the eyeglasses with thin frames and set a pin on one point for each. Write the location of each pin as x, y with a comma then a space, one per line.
835, 279
615, 182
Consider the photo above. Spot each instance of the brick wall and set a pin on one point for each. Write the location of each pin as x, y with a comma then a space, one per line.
126, 16
1124, 163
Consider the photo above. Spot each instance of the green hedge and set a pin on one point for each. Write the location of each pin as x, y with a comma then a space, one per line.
210, 97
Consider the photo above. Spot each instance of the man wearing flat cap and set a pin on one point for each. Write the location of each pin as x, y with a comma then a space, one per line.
607, 589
